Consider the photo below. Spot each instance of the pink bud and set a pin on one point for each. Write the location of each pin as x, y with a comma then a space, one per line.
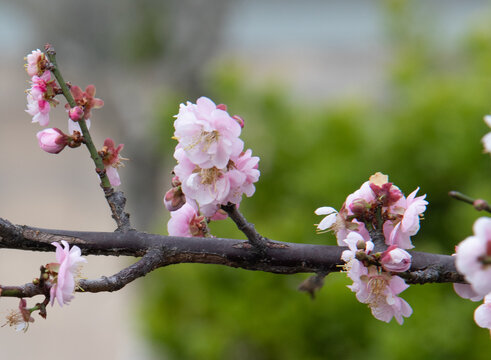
52, 140
395, 259
359, 207
222, 107
239, 119
75, 113
175, 181
174, 199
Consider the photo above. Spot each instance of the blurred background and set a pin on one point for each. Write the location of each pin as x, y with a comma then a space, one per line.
331, 92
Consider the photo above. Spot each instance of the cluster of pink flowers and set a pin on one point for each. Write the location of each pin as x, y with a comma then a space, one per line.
64, 272
212, 168
40, 96
378, 204
473, 260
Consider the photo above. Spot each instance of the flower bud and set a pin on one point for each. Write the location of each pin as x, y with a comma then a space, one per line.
52, 140
358, 207
360, 245
75, 113
395, 259
175, 182
174, 199
239, 119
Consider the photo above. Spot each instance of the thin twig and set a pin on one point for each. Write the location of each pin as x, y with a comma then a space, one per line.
153, 259
478, 204
258, 242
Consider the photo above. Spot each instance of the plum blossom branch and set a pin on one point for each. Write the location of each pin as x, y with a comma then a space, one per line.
116, 200
51, 54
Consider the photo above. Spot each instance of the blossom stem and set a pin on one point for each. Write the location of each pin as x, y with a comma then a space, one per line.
50, 52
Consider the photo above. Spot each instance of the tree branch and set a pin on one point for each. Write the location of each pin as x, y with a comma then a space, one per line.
158, 251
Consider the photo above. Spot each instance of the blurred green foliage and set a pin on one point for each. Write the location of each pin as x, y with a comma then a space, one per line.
425, 133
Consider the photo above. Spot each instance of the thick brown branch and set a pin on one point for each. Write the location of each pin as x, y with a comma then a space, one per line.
279, 257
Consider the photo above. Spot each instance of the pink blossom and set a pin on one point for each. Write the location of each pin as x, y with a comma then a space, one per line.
41, 85
40, 98
473, 257
36, 61
39, 110
242, 174
212, 187
482, 315
413, 207
467, 292
112, 160
69, 261
383, 299
86, 100
52, 140
208, 187
486, 140
186, 222
395, 259
208, 135
379, 291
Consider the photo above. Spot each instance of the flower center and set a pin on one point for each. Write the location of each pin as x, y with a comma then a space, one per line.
197, 226
209, 138
209, 176
377, 286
